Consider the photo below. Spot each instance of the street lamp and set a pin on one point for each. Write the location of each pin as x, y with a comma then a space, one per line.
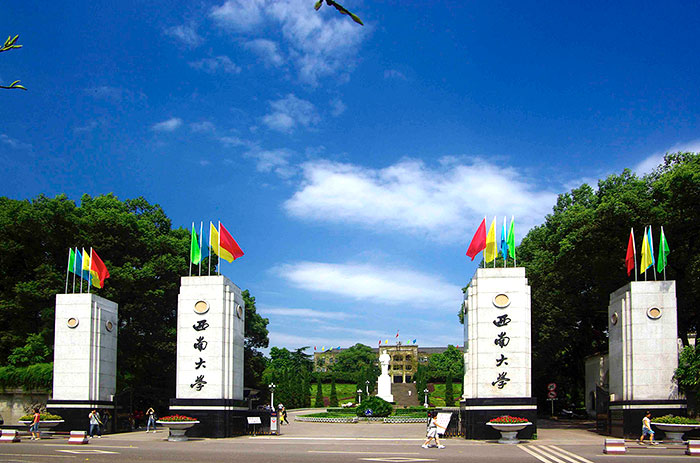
425, 391
367, 387
272, 395
359, 395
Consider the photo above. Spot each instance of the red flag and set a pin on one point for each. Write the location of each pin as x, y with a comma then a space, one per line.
631, 254
230, 250
98, 270
478, 243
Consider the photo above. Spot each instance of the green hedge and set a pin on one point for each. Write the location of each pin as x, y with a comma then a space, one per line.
350, 410
412, 410
378, 407
37, 376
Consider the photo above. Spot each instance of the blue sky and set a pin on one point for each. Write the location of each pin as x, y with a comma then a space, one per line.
352, 164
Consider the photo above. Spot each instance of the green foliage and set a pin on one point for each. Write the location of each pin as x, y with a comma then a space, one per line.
333, 401
354, 360
350, 410
421, 379
377, 406
687, 375
450, 362
42, 417
345, 392
291, 373
34, 351
449, 394
339, 414
318, 403
670, 419
10, 44
256, 336
38, 376
576, 259
412, 411
340, 8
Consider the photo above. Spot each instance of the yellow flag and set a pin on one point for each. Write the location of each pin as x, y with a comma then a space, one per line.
647, 260
213, 239
491, 250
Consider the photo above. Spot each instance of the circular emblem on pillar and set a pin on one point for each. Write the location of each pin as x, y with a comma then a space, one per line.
613, 318
501, 301
201, 307
109, 326
239, 311
72, 322
654, 313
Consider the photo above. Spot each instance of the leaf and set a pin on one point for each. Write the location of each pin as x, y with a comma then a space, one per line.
356, 18
318, 5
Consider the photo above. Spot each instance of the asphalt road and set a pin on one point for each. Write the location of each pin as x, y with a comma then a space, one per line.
323, 443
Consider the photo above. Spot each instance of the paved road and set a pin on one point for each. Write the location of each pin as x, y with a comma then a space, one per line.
335, 443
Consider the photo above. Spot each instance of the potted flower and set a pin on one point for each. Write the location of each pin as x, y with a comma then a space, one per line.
675, 426
178, 425
46, 421
508, 426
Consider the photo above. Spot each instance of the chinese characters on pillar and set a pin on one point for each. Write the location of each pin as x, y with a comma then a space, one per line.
502, 340
200, 345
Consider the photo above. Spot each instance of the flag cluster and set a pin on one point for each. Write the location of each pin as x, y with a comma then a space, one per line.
647, 252
221, 243
483, 241
88, 266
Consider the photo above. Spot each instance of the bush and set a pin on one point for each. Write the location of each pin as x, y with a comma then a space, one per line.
333, 400
374, 406
412, 411
42, 417
38, 376
688, 372
670, 419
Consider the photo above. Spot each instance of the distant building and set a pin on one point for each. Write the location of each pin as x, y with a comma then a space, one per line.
404, 359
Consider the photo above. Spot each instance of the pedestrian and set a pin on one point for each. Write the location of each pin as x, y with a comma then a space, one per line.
646, 429
151, 419
34, 426
95, 424
283, 415
432, 433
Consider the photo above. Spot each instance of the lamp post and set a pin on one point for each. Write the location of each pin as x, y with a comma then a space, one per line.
425, 391
359, 396
367, 387
273, 412
272, 396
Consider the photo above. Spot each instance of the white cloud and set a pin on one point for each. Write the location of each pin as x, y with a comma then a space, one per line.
276, 161
302, 314
290, 112
218, 63
319, 43
170, 125
337, 107
266, 49
230, 141
365, 282
394, 74
185, 33
14, 143
203, 127
446, 202
651, 162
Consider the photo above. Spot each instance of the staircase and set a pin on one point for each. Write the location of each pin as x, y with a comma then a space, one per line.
400, 391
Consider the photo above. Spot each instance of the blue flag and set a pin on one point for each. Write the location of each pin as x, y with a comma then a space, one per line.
504, 241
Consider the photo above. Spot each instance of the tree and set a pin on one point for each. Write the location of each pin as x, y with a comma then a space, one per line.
448, 363
256, 336
576, 259
11, 43
291, 372
318, 403
333, 401
356, 362
449, 394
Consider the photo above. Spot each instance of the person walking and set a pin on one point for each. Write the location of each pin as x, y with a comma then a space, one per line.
95, 424
151, 419
283, 415
433, 433
646, 429
34, 426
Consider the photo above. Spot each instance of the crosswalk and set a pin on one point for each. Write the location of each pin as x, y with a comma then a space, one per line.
552, 454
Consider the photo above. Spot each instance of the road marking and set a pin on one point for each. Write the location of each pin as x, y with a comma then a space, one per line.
527, 450
627, 455
396, 459
387, 439
21, 455
87, 451
552, 453
362, 453
94, 445
559, 451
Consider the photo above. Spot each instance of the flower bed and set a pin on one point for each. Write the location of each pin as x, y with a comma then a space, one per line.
42, 417
670, 419
507, 419
177, 418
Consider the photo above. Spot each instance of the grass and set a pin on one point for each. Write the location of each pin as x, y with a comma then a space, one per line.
345, 392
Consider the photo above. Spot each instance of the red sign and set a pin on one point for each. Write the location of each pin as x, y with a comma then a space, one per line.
551, 386
552, 394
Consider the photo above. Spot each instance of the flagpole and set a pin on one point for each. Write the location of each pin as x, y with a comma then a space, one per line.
67, 271
645, 270
515, 259
191, 248
82, 256
218, 247
201, 238
74, 262
89, 272
505, 237
494, 239
634, 251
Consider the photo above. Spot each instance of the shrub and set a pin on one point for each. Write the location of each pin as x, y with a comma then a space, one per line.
334, 395
670, 419
42, 417
412, 411
688, 372
374, 406
37, 376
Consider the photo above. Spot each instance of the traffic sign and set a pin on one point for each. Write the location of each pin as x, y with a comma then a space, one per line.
552, 394
551, 386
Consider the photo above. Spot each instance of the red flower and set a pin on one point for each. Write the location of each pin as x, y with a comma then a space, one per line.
507, 419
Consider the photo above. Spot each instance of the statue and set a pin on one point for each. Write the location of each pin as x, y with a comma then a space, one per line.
384, 381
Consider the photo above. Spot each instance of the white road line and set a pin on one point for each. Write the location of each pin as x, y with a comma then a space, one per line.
22, 455
527, 450
563, 453
93, 445
362, 453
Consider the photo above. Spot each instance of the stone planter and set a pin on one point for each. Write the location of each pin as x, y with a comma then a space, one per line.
177, 429
44, 426
674, 432
508, 432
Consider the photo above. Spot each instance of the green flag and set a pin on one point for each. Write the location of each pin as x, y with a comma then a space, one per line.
195, 249
511, 237
663, 252
71, 263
